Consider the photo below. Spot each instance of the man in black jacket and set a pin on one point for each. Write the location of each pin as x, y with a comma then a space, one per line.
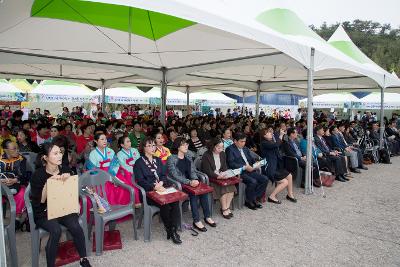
337, 161
239, 156
291, 148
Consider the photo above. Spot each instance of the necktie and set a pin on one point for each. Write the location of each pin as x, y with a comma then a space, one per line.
323, 142
298, 152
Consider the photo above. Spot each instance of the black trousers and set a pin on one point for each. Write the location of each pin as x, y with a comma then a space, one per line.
315, 171
338, 164
170, 214
256, 184
53, 226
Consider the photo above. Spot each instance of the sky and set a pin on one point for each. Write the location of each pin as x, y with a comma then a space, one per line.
317, 11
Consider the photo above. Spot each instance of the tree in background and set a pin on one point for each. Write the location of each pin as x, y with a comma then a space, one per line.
380, 42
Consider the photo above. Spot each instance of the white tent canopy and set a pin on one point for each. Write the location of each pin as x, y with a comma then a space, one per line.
332, 100
61, 88
376, 98
9, 92
124, 95
6, 87
213, 99
184, 37
341, 41
58, 91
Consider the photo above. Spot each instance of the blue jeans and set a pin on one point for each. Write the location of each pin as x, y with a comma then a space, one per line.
194, 200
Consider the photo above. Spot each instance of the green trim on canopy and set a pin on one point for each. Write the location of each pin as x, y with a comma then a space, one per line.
286, 21
351, 50
3, 81
22, 84
56, 82
148, 24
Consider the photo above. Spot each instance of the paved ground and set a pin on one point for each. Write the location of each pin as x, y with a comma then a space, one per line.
357, 224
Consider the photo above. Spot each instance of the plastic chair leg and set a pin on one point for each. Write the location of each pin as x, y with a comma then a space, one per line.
99, 237
86, 234
35, 248
12, 246
147, 225
140, 218
112, 225
135, 235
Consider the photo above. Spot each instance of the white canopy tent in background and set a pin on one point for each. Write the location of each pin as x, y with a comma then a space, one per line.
6, 87
9, 92
124, 95
213, 99
343, 43
373, 101
59, 91
332, 100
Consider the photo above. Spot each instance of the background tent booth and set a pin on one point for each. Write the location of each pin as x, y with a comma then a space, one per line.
8, 92
50, 94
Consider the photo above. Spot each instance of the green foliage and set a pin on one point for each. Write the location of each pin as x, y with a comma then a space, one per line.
380, 42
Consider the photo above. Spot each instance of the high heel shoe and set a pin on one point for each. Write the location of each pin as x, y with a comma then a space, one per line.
226, 216
291, 199
210, 224
203, 229
274, 201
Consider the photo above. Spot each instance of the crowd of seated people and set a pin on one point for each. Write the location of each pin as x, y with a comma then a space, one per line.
140, 146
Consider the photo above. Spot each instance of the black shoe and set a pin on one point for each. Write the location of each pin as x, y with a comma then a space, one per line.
274, 201
225, 216
250, 205
257, 205
210, 224
355, 170
340, 179
363, 168
344, 178
291, 199
203, 229
231, 215
84, 263
18, 225
176, 239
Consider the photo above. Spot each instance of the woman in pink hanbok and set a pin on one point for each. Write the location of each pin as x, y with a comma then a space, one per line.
127, 157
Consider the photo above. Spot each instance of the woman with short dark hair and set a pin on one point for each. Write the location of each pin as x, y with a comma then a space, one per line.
181, 169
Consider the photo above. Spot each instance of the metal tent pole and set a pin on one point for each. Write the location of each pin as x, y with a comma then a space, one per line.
243, 96
163, 95
103, 96
187, 99
310, 119
382, 128
258, 100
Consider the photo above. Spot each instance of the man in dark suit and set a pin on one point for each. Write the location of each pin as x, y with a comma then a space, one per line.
355, 154
239, 156
393, 145
337, 161
291, 148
